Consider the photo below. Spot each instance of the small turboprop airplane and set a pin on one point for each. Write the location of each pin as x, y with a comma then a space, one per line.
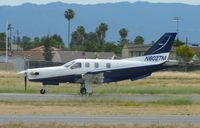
96, 71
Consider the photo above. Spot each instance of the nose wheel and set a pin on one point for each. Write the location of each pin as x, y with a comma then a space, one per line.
42, 91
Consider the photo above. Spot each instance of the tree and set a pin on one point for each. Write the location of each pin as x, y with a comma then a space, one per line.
178, 42
2, 41
26, 42
91, 42
48, 55
76, 39
37, 41
56, 41
184, 53
110, 47
101, 32
69, 15
139, 40
81, 31
123, 34
98, 35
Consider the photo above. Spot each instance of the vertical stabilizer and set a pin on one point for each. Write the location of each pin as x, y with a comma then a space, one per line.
159, 52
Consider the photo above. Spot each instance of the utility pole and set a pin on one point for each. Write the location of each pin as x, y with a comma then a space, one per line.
6, 58
177, 20
186, 43
10, 36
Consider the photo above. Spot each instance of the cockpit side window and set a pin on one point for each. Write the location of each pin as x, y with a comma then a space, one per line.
69, 64
76, 65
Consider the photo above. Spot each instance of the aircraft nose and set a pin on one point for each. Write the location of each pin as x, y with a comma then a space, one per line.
23, 73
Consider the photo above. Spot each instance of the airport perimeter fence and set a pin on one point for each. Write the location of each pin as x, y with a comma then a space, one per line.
8, 66
181, 67
184, 68
18, 66
40, 64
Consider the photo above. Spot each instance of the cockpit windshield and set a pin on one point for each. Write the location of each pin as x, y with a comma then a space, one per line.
69, 64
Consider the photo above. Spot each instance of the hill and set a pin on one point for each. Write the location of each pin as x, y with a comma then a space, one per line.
150, 20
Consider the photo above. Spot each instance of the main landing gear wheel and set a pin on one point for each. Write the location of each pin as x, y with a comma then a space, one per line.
42, 91
83, 91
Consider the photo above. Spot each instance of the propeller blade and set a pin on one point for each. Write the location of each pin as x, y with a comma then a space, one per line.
25, 82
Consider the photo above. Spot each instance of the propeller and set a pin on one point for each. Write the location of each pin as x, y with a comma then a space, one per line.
25, 82
24, 73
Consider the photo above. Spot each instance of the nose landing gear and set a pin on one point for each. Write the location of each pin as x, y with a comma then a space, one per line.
43, 91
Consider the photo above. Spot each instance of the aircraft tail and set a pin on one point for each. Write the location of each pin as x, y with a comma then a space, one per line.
159, 52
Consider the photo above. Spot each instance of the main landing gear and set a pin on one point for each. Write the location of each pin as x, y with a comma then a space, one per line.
86, 89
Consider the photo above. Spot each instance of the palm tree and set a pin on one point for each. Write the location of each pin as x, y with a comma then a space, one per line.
103, 27
69, 15
98, 35
81, 31
123, 33
139, 40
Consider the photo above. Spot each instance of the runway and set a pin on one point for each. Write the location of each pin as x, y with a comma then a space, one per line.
99, 119
107, 97
104, 119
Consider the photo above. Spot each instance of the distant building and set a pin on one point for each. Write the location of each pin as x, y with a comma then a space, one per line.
66, 56
35, 56
41, 48
197, 51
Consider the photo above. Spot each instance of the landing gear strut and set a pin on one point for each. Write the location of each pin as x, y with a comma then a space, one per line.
42, 91
86, 89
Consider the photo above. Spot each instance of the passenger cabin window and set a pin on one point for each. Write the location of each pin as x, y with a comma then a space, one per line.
87, 65
76, 65
96, 65
108, 65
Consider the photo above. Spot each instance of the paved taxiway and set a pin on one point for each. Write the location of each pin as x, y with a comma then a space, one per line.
117, 97
104, 119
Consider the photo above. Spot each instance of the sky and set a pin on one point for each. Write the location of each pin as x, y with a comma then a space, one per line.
18, 2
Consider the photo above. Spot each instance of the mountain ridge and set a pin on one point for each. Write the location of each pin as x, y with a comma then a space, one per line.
150, 20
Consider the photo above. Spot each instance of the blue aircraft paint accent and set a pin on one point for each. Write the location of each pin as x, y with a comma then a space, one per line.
59, 79
111, 76
163, 45
131, 73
